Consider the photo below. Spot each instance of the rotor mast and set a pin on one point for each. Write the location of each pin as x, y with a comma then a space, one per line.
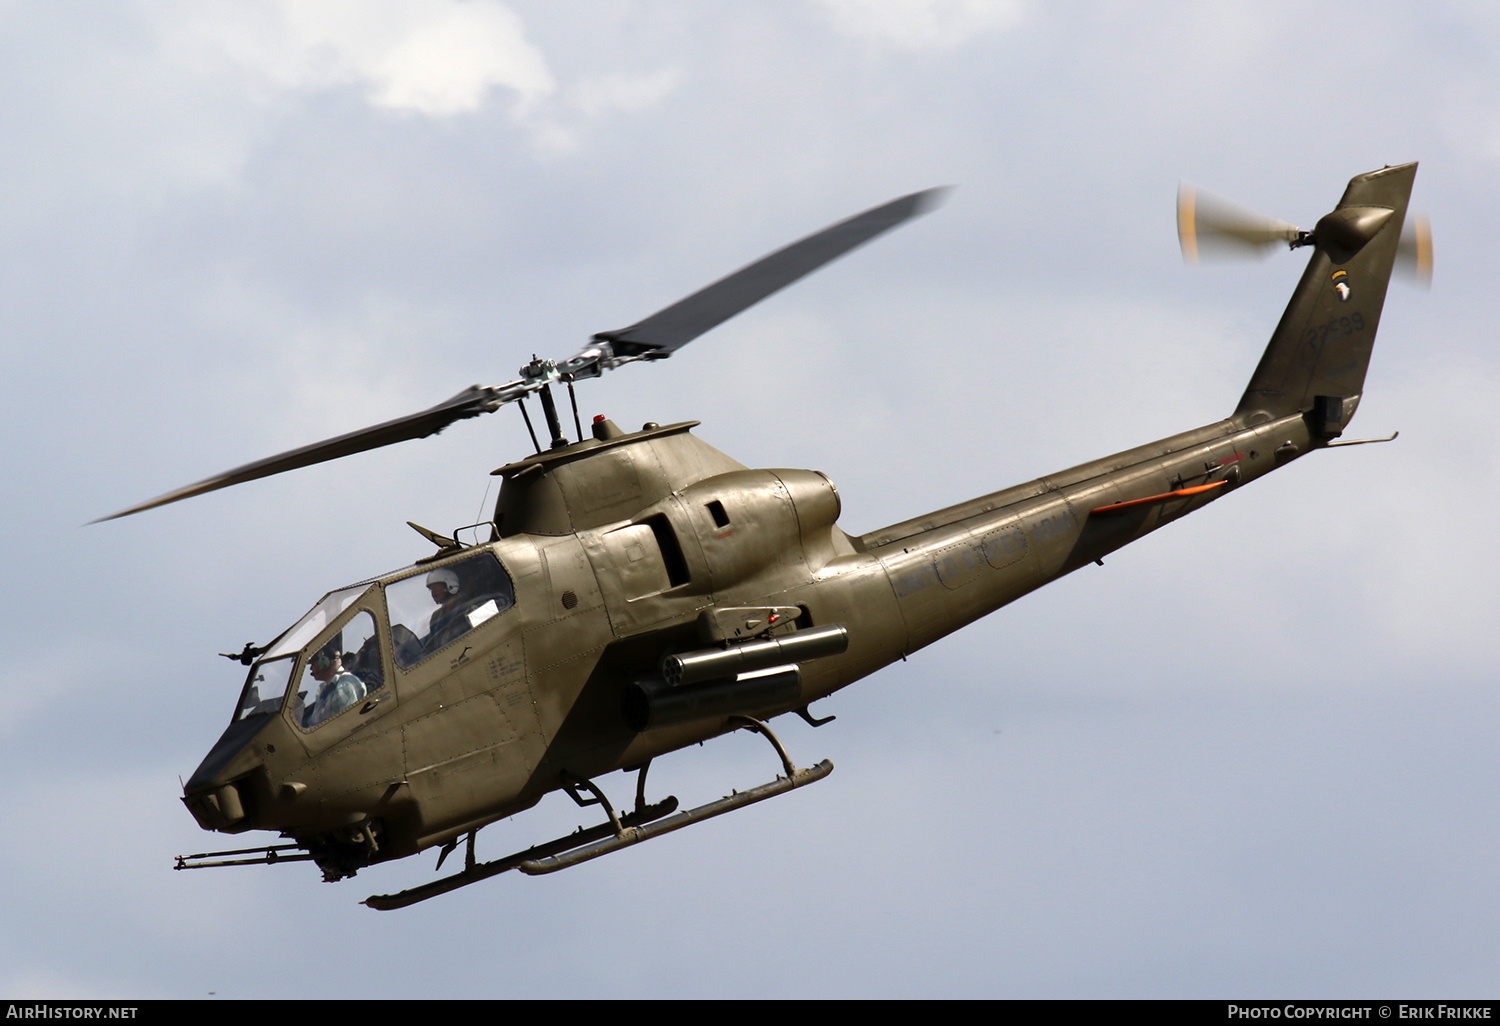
546, 372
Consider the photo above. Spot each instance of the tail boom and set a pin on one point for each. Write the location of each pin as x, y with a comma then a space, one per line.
956, 565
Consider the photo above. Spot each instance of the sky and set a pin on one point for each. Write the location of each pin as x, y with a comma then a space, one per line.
1252, 755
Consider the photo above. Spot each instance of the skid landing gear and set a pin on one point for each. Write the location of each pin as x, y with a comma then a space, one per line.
641, 824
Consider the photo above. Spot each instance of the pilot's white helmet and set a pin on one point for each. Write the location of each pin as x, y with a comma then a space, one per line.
447, 578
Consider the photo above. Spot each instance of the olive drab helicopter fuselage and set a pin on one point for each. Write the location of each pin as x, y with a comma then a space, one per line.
639, 592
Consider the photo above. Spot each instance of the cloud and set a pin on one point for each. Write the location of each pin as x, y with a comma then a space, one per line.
438, 58
922, 24
627, 93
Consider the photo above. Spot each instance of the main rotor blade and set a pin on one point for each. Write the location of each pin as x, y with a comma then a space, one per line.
658, 335
1209, 227
471, 402
677, 325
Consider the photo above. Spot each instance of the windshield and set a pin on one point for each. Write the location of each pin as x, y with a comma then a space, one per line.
321, 615
432, 610
266, 687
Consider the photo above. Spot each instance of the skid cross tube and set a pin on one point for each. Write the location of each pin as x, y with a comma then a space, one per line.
571, 785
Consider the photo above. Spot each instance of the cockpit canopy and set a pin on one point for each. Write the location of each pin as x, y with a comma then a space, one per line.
335, 651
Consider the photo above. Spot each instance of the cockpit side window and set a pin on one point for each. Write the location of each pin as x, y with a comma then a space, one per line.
431, 610
340, 671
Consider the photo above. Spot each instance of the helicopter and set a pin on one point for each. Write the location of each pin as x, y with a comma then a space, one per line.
638, 592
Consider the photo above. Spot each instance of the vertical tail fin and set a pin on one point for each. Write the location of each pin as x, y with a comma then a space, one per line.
1317, 357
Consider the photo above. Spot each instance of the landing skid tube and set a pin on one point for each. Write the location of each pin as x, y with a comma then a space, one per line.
639, 825
629, 835
474, 872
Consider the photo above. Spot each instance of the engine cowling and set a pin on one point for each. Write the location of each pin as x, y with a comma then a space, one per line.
766, 521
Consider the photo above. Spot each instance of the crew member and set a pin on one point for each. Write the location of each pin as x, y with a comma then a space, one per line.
338, 688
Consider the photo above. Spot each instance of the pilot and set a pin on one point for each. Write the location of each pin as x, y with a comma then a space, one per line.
444, 624
339, 689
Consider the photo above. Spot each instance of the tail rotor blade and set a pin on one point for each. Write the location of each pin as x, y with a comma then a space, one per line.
1414, 251
1209, 228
